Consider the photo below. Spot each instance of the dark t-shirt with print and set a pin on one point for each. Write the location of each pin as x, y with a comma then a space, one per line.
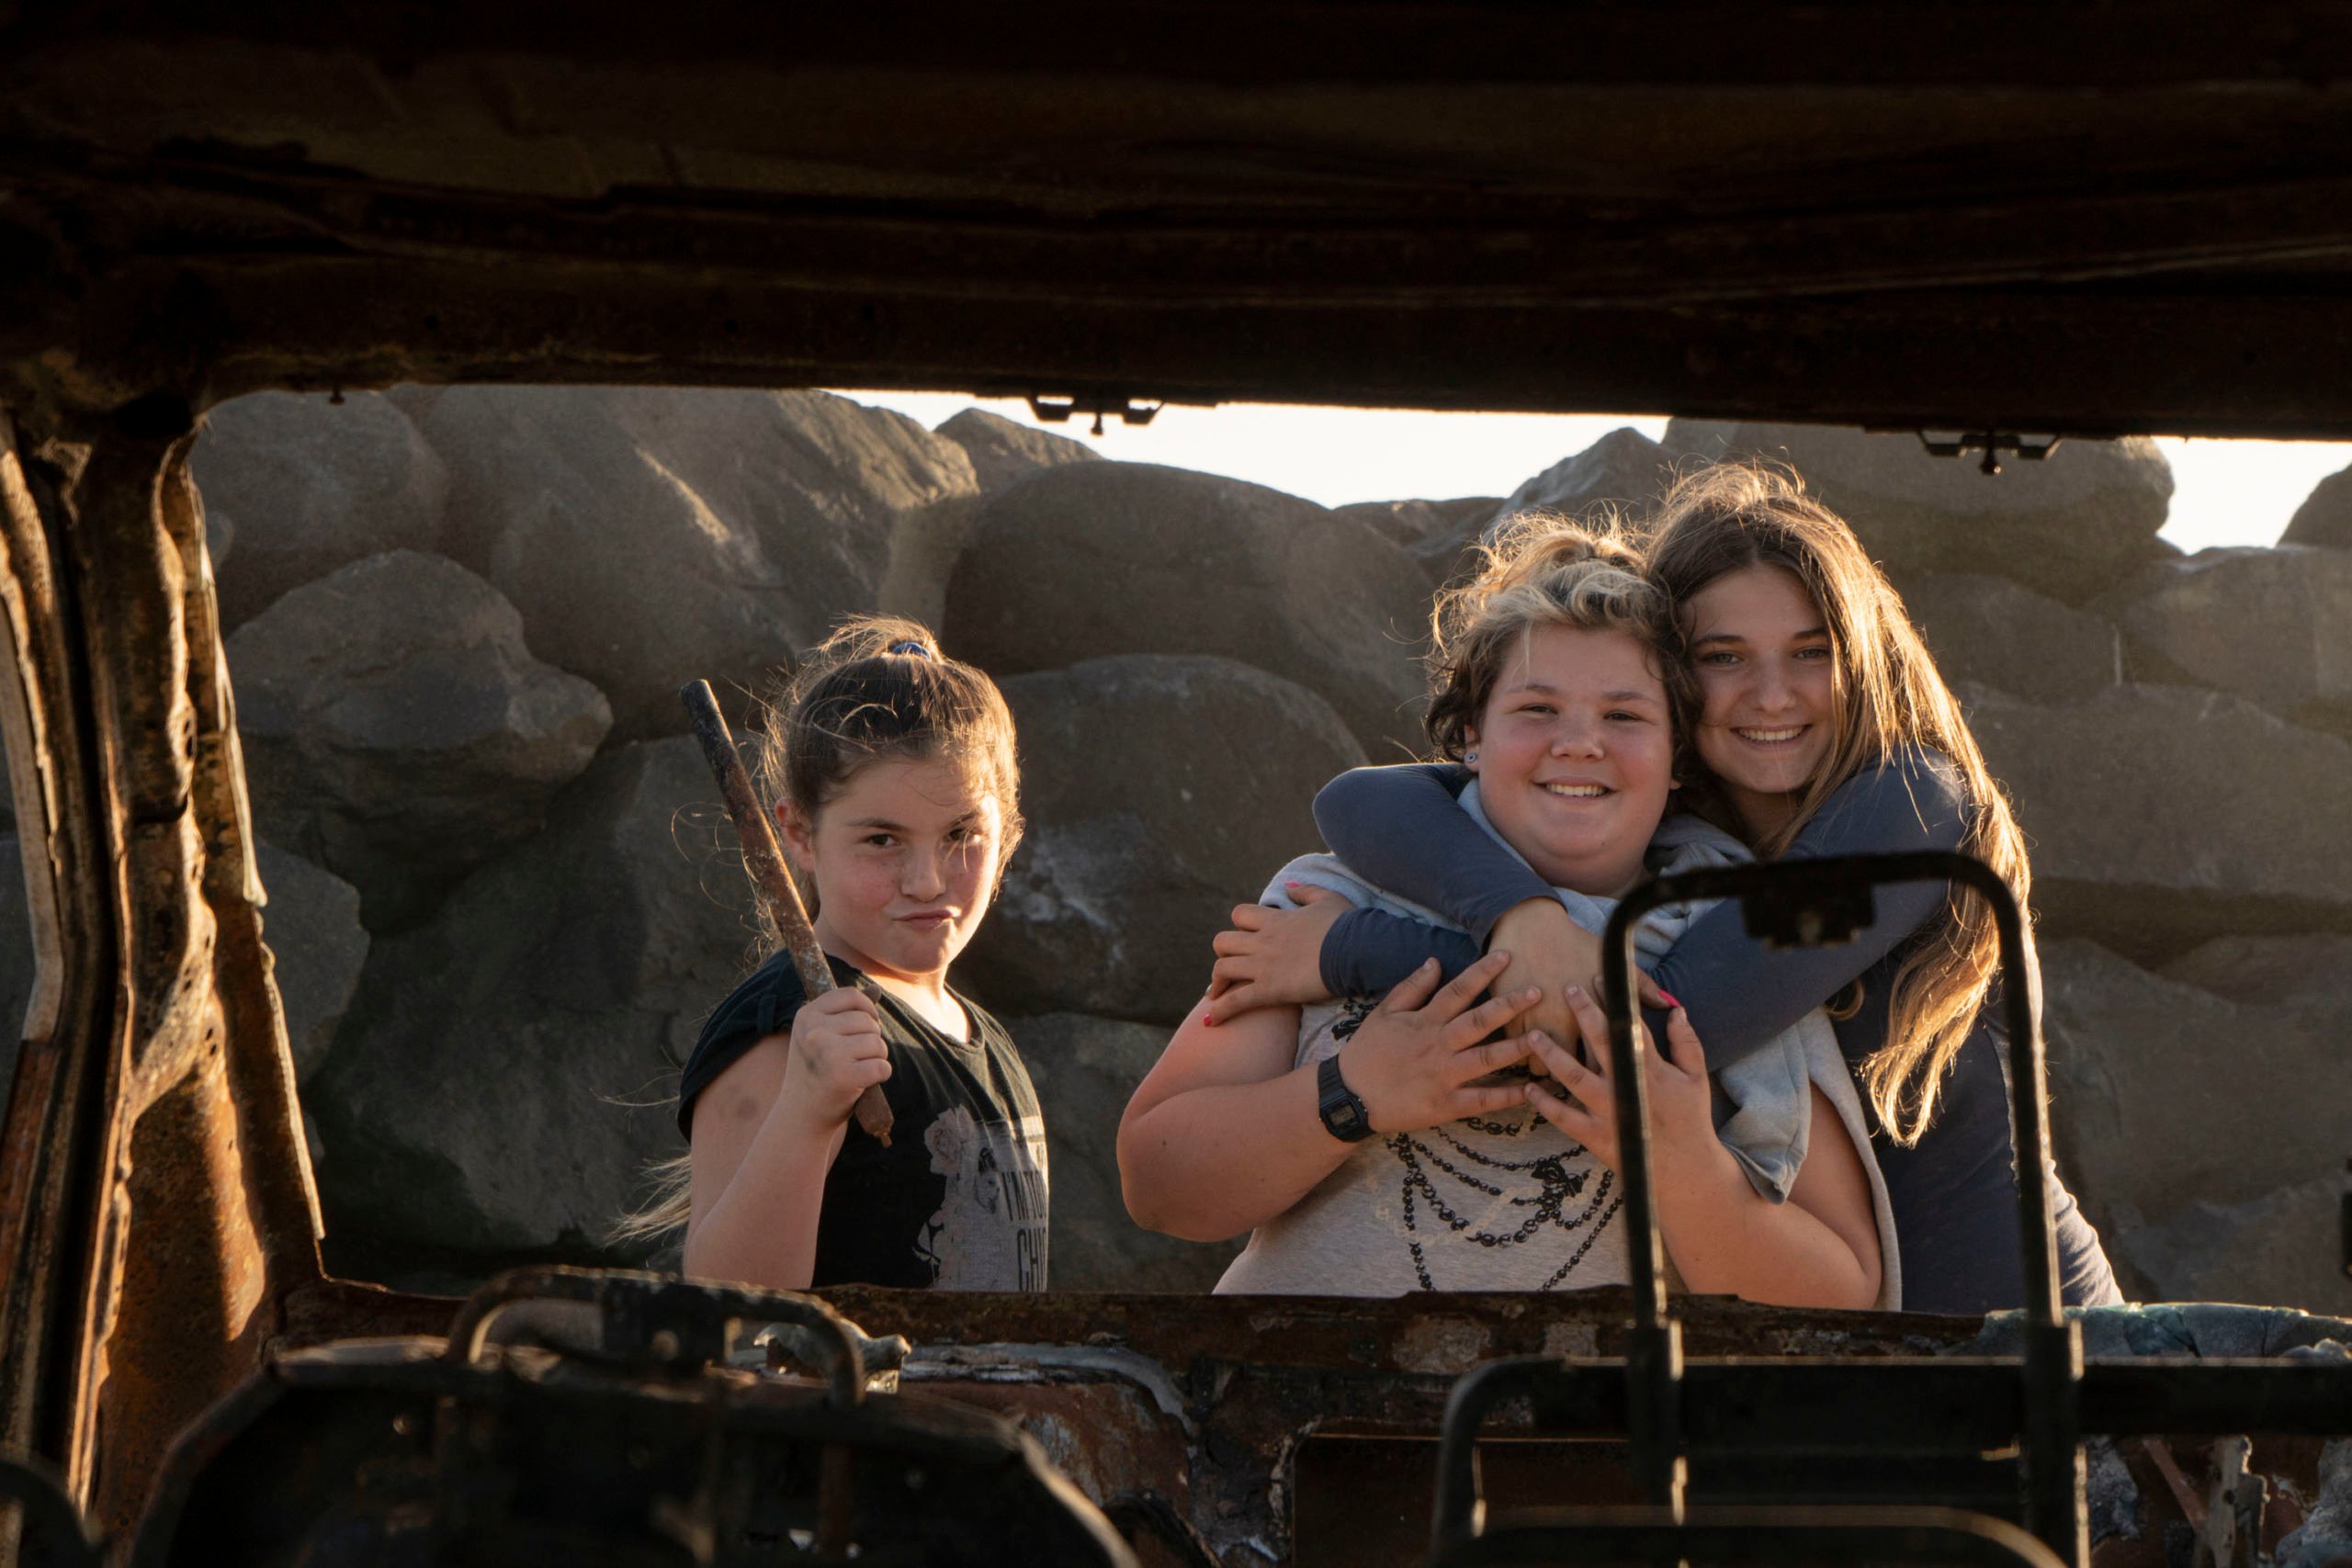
958, 1200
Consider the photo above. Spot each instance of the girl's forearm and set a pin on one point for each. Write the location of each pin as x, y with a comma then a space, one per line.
1215, 1161
762, 1229
1727, 1239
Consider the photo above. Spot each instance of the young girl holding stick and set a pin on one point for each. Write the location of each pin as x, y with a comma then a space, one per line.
897, 792
1373, 1149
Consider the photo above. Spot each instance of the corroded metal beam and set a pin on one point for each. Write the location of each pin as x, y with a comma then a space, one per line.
158, 1206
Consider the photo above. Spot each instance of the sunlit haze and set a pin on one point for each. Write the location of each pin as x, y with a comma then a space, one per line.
2226, 492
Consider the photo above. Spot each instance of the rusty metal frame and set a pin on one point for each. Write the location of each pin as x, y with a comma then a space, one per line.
1793, 903
153, 1093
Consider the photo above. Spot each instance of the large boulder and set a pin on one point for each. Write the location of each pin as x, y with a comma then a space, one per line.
2167, 1096
1623, 474
1996, 633
397, 731
1094, 559
2326, 515
2284, 1249
312, 485
2069, 525
1159, 793
502, 1080
1435, 533
2162, 817
2312, 969
653, 536
1002, 451
2273, 625
318, 949
1086, 1070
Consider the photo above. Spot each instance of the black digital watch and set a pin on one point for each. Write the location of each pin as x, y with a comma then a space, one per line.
1343, 1114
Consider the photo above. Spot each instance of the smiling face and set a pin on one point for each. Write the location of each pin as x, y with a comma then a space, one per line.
1767, 687
905, 860
1576, 753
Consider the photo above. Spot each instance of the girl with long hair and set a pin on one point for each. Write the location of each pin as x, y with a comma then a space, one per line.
1374, 1147
1823, 730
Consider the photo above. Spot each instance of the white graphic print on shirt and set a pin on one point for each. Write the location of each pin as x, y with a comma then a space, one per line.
988, 1232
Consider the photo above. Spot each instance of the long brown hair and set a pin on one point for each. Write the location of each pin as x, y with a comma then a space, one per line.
878, 689
1889, 697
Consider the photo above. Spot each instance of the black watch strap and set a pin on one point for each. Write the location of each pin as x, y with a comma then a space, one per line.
1343, 1114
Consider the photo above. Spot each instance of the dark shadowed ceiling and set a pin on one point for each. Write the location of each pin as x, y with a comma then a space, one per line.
2088, 218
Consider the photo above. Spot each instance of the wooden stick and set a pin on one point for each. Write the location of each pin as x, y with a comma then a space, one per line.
770, 878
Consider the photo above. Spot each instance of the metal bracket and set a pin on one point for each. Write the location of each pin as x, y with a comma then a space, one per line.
1058, 410
1802, 903
1991, 443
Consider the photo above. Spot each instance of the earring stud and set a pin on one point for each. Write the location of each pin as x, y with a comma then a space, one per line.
1469, 755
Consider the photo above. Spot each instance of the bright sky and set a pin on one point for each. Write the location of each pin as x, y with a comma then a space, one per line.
2226, 492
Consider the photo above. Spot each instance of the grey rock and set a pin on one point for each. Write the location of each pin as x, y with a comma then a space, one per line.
2326, 515
318, 949
397, 731
1623, 473
2324, 1537
2310, 971
2165, 1096
1096, 560
1997, 632
1086, 1070
313, 486
2283, 1249
1438, 534
2068, 526
1002, 451
504, 1075
2114, 1497
1159, 793
414, 399
653, 536
2161, 817
2275, 626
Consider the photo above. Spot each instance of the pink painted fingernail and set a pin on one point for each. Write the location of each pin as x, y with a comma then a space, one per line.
1577, 991
1668, 998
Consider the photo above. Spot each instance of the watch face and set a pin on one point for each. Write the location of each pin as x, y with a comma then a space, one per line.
1342, 1113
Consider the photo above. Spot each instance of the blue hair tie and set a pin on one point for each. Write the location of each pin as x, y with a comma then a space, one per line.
912, 649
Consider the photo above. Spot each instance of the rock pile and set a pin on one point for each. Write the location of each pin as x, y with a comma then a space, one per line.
504, 897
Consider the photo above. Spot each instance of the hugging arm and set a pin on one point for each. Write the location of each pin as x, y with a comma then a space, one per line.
1741, 993
1224, 1134
1400, 828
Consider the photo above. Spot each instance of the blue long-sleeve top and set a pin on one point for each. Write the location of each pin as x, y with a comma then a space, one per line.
1953, 1193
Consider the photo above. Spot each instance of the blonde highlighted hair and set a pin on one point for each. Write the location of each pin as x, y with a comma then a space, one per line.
1889, 697
878, 689
1540, 569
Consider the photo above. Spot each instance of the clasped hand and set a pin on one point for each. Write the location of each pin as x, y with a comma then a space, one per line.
1417, 1059
1584, 1105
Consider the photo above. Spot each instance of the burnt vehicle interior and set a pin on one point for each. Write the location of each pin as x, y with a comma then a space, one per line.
2000, 221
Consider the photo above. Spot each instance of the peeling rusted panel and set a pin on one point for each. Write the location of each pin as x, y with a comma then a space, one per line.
157, 1203
58, 1133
